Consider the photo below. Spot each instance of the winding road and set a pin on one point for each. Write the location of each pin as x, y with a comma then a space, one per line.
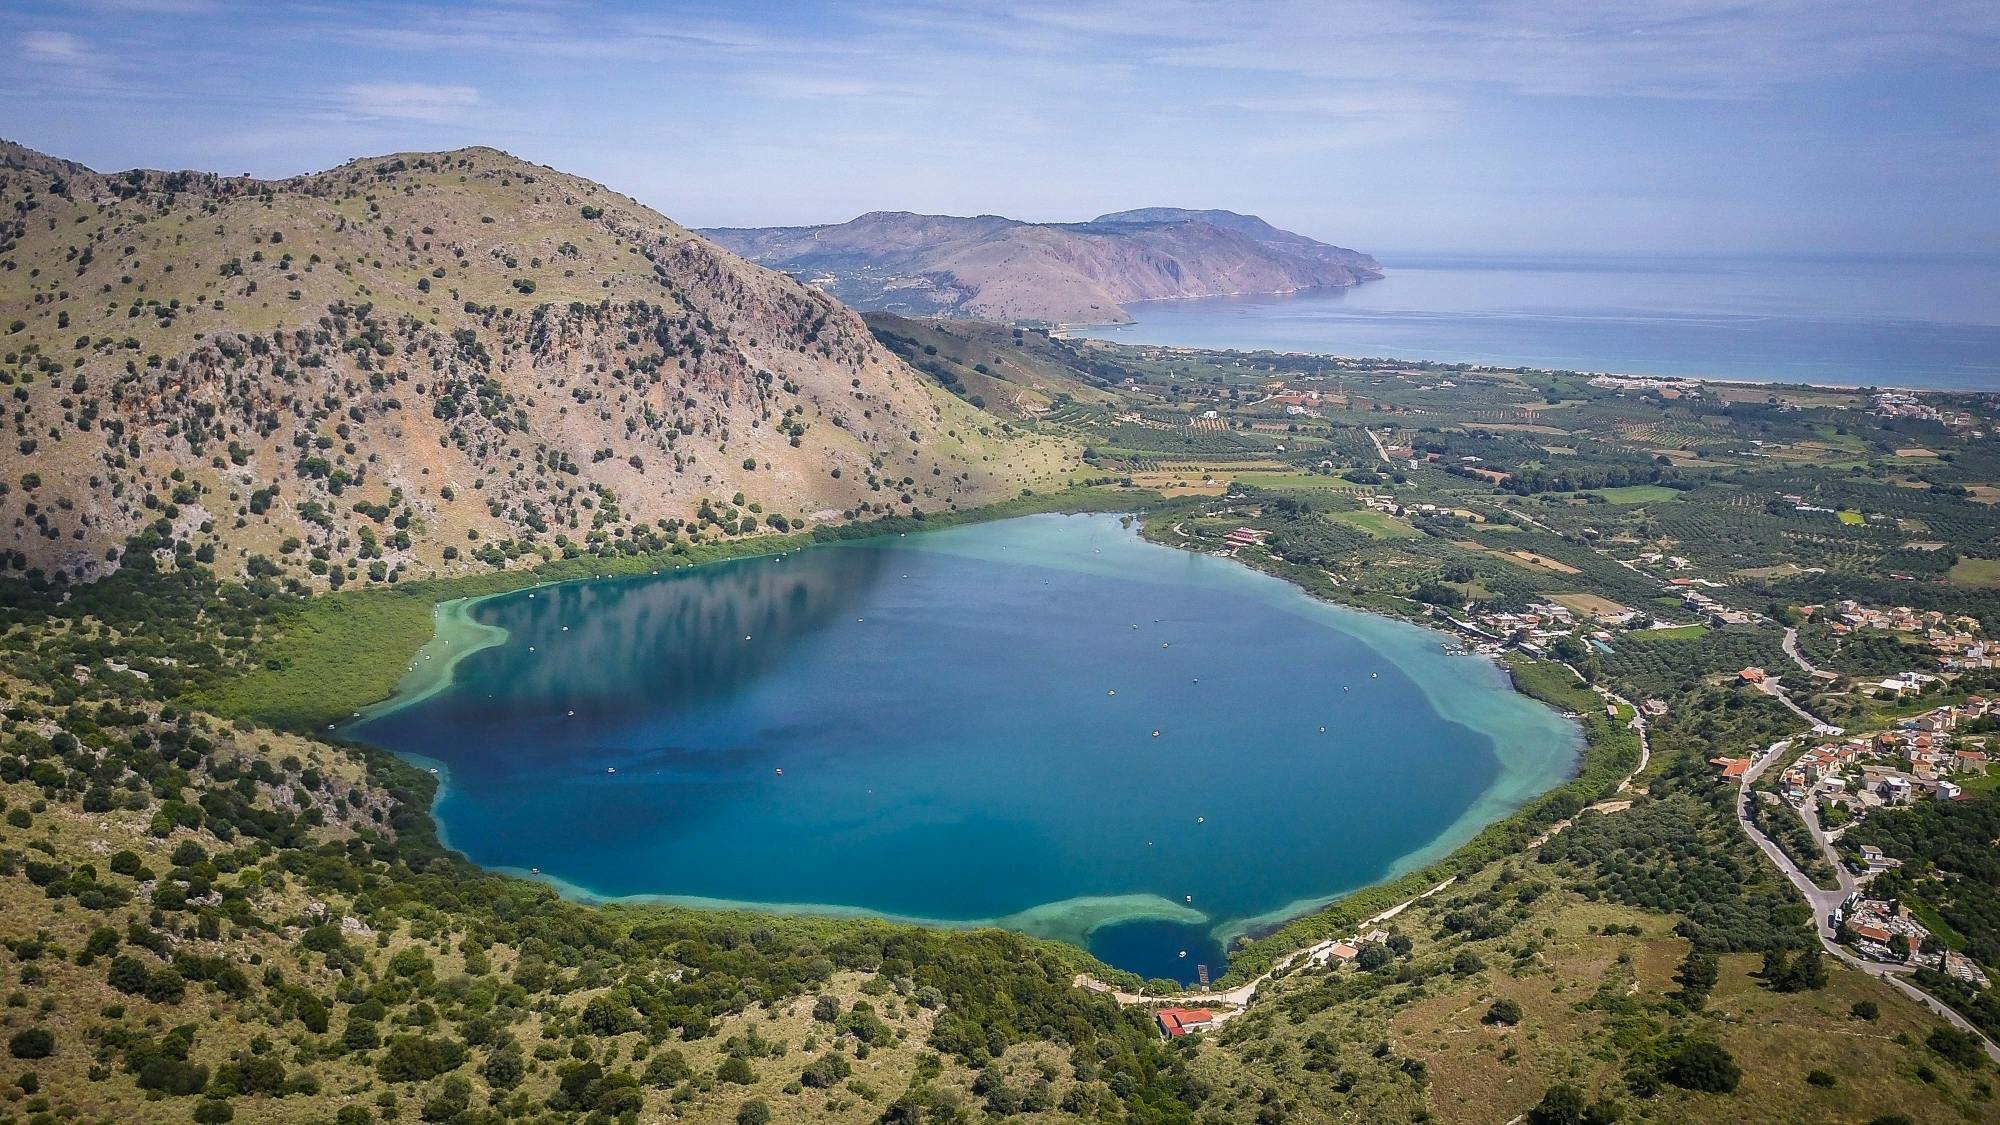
1824, 902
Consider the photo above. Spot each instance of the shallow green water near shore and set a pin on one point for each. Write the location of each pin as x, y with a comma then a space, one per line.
1045, 723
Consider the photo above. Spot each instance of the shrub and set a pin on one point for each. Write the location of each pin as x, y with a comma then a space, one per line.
414, 1058
1704, 1066
737, 1070
667, 1068
753, 1112
1564, 1105
503, 1069
1959, 1047
1822, 1078
34, 1043
1865, 1010
1503, 1011
826, 1071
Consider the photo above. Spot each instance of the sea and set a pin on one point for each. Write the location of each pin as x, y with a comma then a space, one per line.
1905, 322
1044, 723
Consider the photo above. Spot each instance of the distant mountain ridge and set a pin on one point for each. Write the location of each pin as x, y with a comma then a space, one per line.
996, 268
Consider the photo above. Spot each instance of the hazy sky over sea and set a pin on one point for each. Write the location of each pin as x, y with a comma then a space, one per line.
1794, 125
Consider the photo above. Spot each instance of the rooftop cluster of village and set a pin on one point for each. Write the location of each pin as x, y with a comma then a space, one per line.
1837, 783
1903, 404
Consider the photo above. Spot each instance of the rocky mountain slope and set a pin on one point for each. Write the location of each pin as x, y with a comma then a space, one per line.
1001, 269
426, 363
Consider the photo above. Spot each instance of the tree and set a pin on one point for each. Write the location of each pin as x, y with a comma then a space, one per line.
1564, 1105
826, 1009
1865, 1010
503, 1069
1702, 1065
826, 1071
667, 1068
1373, 956
756, 1111
129, 975
1696, 976
1467, 963
1504, 1011
34, 1043
735, 1069
1806, 974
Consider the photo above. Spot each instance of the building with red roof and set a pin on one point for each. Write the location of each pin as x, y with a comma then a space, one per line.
1176, 1022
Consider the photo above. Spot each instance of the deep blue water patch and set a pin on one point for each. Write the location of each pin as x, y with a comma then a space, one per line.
1156, 949
1045, 723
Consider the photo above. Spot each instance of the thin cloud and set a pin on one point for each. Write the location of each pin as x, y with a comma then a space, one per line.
409, 101
54, 47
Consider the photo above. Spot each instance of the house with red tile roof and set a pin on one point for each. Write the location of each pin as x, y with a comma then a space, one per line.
1176, 1022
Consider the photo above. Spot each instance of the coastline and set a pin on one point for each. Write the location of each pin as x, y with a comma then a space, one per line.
1530, 762
1081, 331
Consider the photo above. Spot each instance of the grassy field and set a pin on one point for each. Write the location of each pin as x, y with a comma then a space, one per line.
1636, 494
1852, 518
1539, 562
1976, 572
1592, 605
1378, 524
1677, 633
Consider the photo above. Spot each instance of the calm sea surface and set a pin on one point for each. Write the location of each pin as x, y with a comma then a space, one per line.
1904, 322
926, 727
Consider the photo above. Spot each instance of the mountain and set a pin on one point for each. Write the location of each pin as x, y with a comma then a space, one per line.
995, 268
431, 363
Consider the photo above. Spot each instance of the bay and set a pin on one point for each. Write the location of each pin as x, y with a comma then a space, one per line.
1930, 322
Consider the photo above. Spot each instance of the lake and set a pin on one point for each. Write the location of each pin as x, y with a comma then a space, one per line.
1905, 322
1045, 723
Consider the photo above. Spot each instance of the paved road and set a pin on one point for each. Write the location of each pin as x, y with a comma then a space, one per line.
1791, 646
1379, 450
1638, 725
1776, 691
1823, 903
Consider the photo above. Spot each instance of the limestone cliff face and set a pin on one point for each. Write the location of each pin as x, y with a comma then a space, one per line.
1070, 273
430, 362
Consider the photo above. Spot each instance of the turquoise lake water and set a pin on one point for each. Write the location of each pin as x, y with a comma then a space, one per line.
1883, 321
942, 709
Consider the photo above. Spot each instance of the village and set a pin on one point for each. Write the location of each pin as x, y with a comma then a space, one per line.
1838, 783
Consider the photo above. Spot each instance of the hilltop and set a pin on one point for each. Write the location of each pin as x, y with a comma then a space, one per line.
431, 363
1002, 269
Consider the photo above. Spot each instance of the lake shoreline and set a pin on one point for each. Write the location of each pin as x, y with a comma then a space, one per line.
1072, 921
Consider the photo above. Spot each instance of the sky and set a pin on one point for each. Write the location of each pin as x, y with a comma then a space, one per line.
1672, 126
